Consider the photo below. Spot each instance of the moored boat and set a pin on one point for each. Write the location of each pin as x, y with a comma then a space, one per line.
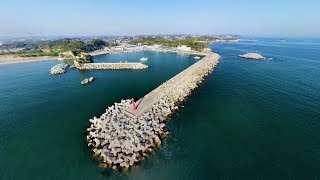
144, 59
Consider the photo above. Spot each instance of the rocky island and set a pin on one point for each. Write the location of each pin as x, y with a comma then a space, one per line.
255, 56
87, 80
79, 57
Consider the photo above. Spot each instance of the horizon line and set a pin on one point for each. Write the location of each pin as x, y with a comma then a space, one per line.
164, 34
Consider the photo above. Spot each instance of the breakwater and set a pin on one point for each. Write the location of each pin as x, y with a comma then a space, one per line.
101, 52
109, 66
171, 87
59, 69
121, 137
144, 48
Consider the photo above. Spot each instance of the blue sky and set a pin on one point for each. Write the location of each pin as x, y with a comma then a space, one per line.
130, 17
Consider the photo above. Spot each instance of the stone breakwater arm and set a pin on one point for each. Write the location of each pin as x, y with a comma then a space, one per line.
59, 69
121, 137
202, 67
110, 66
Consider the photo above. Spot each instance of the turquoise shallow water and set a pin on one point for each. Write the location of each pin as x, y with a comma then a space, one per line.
248, 120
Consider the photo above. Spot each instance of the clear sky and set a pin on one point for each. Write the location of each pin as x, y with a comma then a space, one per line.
131, 17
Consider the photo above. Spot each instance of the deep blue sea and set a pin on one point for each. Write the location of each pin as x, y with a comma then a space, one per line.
248, 120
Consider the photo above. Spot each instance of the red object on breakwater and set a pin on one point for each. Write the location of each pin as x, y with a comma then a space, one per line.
134, 104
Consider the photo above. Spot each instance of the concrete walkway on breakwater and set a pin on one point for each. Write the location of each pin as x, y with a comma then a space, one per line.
122, 137
110, 66
145, 103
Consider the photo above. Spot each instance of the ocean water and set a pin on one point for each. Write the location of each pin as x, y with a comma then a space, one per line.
248, 120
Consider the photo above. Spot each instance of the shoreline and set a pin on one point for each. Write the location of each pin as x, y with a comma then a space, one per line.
147, 48
13, 59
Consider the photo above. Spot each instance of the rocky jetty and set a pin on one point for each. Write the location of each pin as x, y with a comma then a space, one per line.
255, 56
87, 80
59, 69
121, 140
79, 57
109, 66
66, 55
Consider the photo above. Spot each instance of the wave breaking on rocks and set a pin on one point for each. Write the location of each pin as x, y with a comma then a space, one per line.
121, 140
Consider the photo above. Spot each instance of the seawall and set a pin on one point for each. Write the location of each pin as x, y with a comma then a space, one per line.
110, 66
122, 137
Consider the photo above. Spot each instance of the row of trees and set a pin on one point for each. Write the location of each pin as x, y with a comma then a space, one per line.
189, 41
53, 48
74, 46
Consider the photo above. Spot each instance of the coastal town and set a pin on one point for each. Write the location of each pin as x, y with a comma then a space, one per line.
33, 49
159, 90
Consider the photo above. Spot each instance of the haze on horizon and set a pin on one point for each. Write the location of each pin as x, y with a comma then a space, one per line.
127, 17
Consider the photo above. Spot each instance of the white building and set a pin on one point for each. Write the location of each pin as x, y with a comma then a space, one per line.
118, 48
156, 46
184, 48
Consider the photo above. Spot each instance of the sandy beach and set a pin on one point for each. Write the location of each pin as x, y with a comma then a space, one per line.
9, 59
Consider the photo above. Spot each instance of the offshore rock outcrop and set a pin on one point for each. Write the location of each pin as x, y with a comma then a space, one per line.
59, 69
255, 56
121, 140
87, 80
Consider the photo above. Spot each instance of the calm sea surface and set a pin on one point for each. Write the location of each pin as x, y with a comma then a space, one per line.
248, 120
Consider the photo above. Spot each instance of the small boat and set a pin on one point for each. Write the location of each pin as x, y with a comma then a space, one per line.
197, 57
144, 59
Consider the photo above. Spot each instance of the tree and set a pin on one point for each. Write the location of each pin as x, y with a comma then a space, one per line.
77, 47
97, 43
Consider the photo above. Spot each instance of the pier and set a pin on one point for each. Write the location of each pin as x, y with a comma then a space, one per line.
110, 66
123, 136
